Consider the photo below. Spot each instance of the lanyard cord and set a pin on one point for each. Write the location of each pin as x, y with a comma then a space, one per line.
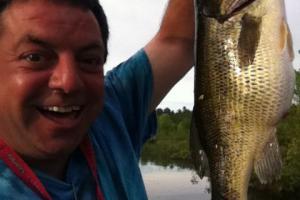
23, 171
89, 154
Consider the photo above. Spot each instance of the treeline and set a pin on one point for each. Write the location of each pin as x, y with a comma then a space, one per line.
171, 145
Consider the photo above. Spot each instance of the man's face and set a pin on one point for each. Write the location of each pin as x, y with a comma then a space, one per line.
51, 73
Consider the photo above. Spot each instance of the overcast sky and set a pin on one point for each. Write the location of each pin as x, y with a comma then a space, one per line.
134, 22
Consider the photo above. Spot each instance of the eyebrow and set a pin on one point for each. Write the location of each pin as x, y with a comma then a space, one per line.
35, 40
95, 45
92, 46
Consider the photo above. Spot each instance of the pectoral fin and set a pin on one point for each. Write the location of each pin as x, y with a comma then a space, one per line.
286, 40
198, 155
249, 39
268, 165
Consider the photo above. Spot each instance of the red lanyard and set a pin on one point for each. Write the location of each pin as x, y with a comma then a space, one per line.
23, 171
89, 154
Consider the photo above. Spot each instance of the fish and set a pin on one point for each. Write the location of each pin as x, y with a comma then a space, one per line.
244, 86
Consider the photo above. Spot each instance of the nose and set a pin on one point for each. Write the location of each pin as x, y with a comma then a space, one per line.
66, 76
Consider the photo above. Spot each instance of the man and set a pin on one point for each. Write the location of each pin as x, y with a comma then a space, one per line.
66, 131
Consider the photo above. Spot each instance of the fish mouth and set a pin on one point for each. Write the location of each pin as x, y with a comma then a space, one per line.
222, 10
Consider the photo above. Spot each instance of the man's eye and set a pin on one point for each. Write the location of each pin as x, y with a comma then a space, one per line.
91, 64
38, 59
92, 61
34, 57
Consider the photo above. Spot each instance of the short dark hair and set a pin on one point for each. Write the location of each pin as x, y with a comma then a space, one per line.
92, 5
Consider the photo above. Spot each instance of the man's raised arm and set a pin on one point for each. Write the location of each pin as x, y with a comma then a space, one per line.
171, 51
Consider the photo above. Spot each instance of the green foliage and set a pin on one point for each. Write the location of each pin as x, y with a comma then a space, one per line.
166, 124
170, 145
289, 139
297, 90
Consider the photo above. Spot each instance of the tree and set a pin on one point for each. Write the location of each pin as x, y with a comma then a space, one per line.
297, 88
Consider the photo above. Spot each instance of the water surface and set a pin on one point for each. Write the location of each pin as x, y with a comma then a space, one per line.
176, 183
173, 183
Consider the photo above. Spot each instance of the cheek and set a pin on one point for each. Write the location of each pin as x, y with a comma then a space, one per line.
95, 90
28, 86
17, 98
22, 86
28, 89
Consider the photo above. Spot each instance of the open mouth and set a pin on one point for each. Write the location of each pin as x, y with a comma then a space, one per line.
226, 11
60, 112
239, 6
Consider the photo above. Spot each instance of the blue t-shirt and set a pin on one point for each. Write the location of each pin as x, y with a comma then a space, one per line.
117, 137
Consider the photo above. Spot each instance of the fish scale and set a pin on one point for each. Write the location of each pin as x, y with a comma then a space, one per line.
244, 83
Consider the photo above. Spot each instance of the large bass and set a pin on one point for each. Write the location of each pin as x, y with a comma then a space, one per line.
244, 83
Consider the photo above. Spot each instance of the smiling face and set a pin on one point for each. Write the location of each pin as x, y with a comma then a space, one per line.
51, 73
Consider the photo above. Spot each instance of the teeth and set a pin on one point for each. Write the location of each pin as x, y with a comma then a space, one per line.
76, 108
66, 109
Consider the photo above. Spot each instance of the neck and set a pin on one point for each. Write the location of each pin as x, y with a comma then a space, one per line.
53, 167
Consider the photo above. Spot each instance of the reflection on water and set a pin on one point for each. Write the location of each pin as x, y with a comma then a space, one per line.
173, 183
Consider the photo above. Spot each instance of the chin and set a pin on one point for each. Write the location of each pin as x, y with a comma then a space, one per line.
56, 149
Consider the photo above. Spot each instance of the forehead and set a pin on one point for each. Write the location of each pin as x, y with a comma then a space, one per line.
47, 10
51, 19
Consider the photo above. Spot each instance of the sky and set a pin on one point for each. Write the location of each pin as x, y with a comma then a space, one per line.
134, 22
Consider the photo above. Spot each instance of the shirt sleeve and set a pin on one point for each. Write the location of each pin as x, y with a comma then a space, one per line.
129, 89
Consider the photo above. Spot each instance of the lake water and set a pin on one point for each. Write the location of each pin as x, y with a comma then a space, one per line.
173, 183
